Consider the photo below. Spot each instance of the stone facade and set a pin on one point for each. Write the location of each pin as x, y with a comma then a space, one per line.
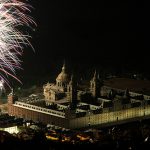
66, 88
61, 105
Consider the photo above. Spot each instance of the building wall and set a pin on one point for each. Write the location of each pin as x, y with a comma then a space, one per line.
105, 118
111, 117
37, 116
97, 119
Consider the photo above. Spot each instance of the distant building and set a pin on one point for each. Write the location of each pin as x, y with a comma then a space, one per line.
9, 124
68, 105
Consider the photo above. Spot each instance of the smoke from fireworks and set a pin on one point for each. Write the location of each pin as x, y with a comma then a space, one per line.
13, 16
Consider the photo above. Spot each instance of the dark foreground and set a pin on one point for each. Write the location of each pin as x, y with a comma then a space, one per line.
129, 136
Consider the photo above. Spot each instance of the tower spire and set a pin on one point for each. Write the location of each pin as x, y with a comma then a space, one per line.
72, 78
95, 74
64, 67
72, 91
95, 85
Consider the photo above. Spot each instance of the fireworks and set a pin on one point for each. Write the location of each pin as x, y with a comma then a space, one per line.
13, 17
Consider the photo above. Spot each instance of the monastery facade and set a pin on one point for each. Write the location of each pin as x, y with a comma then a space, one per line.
67, 105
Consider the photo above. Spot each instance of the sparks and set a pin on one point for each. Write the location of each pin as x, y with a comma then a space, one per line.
13, 15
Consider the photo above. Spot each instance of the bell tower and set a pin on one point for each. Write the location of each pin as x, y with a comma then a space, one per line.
11, 100
95, 85
12, 97
72, 92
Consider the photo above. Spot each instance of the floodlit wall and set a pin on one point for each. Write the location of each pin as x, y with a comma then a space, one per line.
111, 117
37, 114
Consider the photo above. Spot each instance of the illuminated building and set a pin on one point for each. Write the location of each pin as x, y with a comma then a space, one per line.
64, 104
9, 124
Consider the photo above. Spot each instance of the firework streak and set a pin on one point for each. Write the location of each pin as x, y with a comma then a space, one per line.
13, 17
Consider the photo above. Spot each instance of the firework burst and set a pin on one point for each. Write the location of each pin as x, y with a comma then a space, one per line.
13, 16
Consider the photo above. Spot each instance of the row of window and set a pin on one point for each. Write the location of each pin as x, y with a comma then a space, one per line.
40, 109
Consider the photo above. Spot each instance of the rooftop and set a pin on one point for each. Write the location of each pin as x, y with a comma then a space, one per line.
140, 86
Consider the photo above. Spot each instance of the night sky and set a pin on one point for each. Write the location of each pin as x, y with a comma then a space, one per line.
87, 34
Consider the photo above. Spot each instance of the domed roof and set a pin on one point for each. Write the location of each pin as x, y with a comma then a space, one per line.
63, 76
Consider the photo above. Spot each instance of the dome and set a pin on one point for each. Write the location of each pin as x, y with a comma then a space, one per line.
63, 76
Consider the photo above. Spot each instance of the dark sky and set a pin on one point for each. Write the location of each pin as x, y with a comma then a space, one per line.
88, 33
